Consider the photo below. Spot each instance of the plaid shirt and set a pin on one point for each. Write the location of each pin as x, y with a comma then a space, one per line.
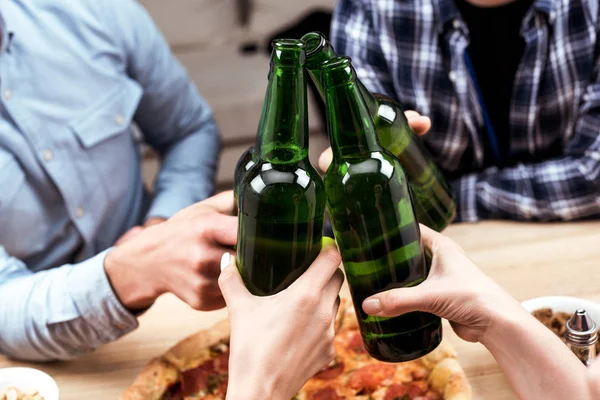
413, 50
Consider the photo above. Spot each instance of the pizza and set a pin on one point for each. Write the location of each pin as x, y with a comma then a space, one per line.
196, 368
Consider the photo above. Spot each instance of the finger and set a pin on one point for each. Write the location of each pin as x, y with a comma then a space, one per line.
210, 267
231, 284
420, 125
130, 234
410, 114
438, 243
332, 289
222, 229
202, 303
428, 236
394, 302
323, 268
222, 202
154, 221
325, 159
336, 309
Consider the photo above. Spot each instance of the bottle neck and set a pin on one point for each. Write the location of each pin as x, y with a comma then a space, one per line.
320, 50
315, 58
369, 99
282, 136
349, 122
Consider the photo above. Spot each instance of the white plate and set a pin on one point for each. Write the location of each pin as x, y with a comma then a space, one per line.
564, 304
26, 379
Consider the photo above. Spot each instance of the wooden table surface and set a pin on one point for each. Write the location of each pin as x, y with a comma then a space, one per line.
528, 260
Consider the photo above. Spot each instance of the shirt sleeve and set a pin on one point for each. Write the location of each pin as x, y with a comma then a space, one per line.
353, 34
174, 119
59, 313
565, 188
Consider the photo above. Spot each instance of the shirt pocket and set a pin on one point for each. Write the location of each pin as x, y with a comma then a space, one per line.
111, 115
105, 135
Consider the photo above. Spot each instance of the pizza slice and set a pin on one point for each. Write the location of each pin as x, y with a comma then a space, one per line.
196, 368
354, 374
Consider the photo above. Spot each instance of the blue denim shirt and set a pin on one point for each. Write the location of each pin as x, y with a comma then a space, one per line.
74, 78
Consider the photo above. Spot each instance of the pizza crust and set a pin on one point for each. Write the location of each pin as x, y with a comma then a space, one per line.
195, 349
449, 378
154, 380
161, 373
443, 351
458, 387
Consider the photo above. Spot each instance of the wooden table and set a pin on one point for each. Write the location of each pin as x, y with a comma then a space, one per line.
528, 260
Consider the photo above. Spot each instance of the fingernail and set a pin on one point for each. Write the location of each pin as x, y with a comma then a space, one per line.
225, 260
372, 306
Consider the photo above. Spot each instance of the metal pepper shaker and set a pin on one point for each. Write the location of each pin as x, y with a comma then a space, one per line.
581, 336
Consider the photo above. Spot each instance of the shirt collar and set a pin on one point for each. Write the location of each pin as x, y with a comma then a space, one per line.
446, 11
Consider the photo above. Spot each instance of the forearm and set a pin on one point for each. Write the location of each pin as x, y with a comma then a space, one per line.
187, 172
60, 313
555, 190
536, 362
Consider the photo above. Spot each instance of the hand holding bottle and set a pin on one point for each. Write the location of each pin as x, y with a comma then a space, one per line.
420, 124
180, 256
537, 364
455, 289
278, 342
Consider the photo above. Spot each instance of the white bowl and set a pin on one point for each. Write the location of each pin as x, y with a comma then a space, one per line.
29, 379
564, 304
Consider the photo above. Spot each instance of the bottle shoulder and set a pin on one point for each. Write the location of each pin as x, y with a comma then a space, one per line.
374, 169
301, 176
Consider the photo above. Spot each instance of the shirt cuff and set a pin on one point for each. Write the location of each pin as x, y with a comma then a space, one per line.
96, 301
465, 194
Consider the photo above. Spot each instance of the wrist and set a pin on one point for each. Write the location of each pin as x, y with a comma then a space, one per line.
134, 291
506, 315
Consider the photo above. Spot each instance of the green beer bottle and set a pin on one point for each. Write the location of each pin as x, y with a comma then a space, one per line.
281, 197
245, 162
373, 220
432, 196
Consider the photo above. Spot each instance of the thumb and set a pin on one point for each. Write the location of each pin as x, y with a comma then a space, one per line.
230, 282
394, 302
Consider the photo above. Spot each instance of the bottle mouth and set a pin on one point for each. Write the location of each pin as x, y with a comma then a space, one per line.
335, 63
314, 41
289, 45
288, 53
337, 71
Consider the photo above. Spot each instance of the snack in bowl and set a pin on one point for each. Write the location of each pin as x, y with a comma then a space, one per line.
196, 368
12, 393
21, 383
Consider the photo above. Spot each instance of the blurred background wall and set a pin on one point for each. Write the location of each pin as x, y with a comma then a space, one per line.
224, 44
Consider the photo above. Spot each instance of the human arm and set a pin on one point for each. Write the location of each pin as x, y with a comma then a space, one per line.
174, 119
72, 309
60, 313
535, 361
294, 327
